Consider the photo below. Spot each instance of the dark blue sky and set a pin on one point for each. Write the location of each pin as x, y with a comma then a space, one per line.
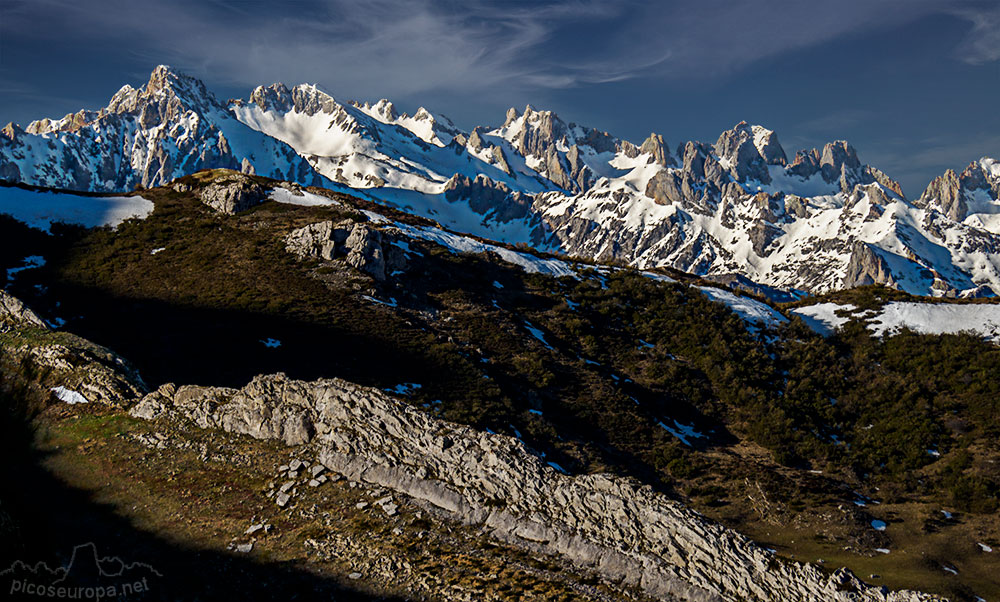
913, 84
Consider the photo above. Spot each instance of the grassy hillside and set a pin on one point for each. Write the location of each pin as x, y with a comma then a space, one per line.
787, 436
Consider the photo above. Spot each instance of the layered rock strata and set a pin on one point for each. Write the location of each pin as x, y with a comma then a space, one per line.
613, 525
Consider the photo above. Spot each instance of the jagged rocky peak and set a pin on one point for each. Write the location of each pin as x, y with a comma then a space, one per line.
658, 150
486, 195
539, 131
308, 99
11, 131
512, 116
693, 155
70, 123
951, 193
831, 161
882, 178
423, 114
385, 109
835, 157
166, 95
275, 97
768, 146
165, 79
737, 151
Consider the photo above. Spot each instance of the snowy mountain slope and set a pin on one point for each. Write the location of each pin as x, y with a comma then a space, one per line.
40, 209
821, 223
925, 318
738, 208
569, 155
400, 160
170, 127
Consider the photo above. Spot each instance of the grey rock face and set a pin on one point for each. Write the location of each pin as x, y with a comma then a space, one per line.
835, 157
233, 194
609, 524
805, 163
14, 314
945, 193
866, 267
769, 147
319, 240
658, 150
485, 195
364, 247
736, 147
949, 193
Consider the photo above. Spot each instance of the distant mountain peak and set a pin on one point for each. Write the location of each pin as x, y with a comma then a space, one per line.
735, 206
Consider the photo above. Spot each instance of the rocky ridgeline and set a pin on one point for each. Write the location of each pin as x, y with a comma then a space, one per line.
609, 524
14, 314
65, 360
146, 136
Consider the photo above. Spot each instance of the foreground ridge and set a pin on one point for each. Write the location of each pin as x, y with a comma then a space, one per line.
602, 522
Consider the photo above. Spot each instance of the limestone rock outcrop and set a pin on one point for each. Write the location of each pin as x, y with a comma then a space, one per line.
14, 314
66, 360
233, 193
364, 247
609, 524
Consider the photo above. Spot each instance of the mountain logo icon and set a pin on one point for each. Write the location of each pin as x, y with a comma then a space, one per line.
87, 576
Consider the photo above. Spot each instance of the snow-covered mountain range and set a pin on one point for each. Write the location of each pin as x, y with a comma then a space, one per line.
736, 210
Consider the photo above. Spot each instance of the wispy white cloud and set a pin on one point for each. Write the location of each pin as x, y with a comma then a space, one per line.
982, 45
403, 47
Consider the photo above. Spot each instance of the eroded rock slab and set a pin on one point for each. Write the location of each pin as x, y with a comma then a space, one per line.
613, 525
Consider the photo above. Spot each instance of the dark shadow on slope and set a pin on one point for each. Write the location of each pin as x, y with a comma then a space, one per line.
43, 520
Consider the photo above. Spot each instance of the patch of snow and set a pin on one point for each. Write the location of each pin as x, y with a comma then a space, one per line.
390, 303
950, 570
271, 343
157, 250
405, 388
535, 412
68, 395
882, 550
557, 467
405, 246
304, 198
823, 317
878, 525
457, 243
947, 515
939, 318
41, 209
497, 285
750, 310
657, 277
538, 334
984, 547
682, 431
28, 263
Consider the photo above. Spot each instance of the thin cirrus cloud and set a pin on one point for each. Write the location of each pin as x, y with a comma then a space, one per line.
404, 47
983, 43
